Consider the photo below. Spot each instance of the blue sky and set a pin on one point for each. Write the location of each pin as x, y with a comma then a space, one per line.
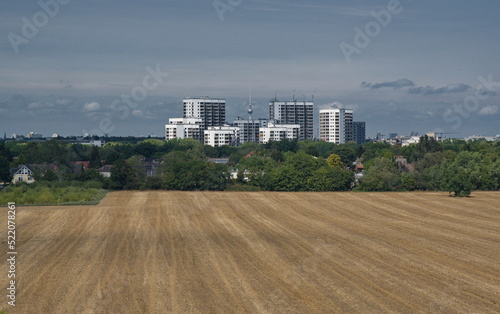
419, 72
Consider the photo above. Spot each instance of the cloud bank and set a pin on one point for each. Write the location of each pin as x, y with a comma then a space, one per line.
394, 84
411, 87
449, 89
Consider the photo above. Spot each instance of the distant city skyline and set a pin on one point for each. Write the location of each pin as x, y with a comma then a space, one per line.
72, 67
131, 127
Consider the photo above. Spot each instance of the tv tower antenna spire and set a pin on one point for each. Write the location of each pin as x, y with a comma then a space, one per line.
250, 110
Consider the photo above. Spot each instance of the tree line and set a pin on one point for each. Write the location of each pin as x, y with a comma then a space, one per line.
456, 166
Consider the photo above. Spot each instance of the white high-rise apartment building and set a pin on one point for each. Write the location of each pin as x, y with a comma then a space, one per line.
336, 125
222, 135
249, 129
184, 128
278, 132
294, 112
211, 111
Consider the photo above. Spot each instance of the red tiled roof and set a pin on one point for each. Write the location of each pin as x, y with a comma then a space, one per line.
85, 164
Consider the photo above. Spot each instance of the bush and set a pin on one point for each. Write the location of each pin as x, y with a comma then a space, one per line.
243, 187
53, 193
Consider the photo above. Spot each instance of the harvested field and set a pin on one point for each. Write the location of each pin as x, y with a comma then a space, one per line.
258, 252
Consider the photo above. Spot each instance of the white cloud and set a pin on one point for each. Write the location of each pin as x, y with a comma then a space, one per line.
92, 106
137, 113
337, 104
489, 111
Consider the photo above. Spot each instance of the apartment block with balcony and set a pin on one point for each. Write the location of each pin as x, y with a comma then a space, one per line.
249, 129
184, 128
278, 132
211, 111
294, 112
359, 132
217, 136
336, 125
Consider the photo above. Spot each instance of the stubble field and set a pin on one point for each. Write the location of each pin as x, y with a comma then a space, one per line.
258, 252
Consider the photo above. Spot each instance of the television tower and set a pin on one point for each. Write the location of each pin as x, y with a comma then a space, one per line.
250, 110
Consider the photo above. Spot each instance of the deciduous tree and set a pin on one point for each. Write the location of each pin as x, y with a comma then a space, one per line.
334, 161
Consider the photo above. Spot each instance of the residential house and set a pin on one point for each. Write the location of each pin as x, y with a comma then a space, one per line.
359, 171
23, 173
150, 166
403, 164
105, 171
